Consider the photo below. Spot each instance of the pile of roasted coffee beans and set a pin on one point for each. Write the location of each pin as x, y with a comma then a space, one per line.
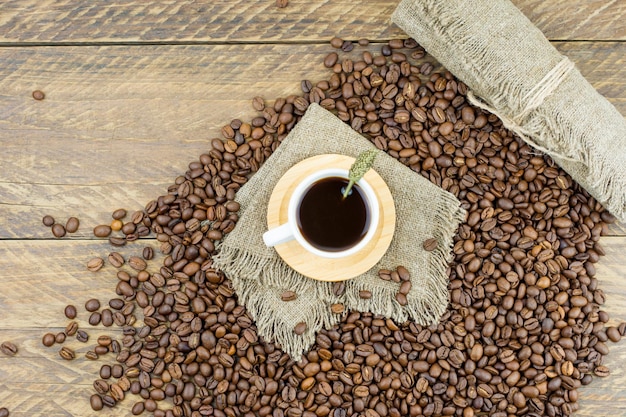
524, 329
59, 230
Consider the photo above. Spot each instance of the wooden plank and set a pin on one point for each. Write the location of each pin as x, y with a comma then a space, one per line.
38, 278
123, 21
118, 124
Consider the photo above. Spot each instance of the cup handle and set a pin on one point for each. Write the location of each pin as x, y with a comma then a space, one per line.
278, 235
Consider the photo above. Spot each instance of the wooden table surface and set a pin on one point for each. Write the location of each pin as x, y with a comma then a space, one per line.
134, 91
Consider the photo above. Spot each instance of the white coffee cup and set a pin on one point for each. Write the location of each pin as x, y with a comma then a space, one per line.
290, 230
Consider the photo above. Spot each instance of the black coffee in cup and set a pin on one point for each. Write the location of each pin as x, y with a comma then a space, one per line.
330, 222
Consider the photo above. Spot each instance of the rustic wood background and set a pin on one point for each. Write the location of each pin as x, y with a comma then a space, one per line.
134, 91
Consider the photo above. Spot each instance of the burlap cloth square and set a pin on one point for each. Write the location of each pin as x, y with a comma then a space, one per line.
259, 276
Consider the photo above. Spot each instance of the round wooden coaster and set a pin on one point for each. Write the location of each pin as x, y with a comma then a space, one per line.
325, 269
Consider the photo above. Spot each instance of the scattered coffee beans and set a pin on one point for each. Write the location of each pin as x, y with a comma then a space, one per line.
58, 230
147, 253
92, 305
95, 264
366, 294
119, 214
67, 353
38, 95
401, 298
430, 244
117, 241
70, 312
116, 225
82, 336
137, 263
524, 329
59, 337
116, 259
71, 226
300, 328
102, 230
337, 308
96, 402
48, 220
8, 348
71, 328
288, 296
48, 339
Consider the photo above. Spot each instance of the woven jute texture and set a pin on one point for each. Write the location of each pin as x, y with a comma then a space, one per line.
514, 72
259, 276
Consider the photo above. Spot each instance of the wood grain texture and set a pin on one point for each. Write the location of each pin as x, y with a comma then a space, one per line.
138, 96
38, 278
124, 21
119, 123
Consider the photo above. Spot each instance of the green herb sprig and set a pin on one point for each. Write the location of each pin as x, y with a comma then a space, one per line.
361, 165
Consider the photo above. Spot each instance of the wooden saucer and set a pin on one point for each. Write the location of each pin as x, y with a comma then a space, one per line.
325, 269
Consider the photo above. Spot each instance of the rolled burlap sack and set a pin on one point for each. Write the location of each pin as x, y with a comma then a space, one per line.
514, 72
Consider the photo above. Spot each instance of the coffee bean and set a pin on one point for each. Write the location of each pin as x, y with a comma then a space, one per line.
401, 299
300, 328
92, 305
119, 214
365, 294
94, 318
385, 274
117, 241
48, 339
613, 334
137, 263
82, 336
138, 408
148, 253
8, 348
347, 46
258, 104
601, 371
337, 308
71, 328
330, 60
59, 337
48, 220
71, 226
58, 230
116, 225
67, 353
108, 401
38, 95
70, 312
288, 296
95, 264
336, 42
339, 288
102, 230
116, 259
403, 273
405, 287
282, 3
430, 244
96, 402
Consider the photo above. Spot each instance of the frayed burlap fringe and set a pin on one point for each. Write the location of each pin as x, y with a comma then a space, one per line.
259, 275
427, 308
515, 73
